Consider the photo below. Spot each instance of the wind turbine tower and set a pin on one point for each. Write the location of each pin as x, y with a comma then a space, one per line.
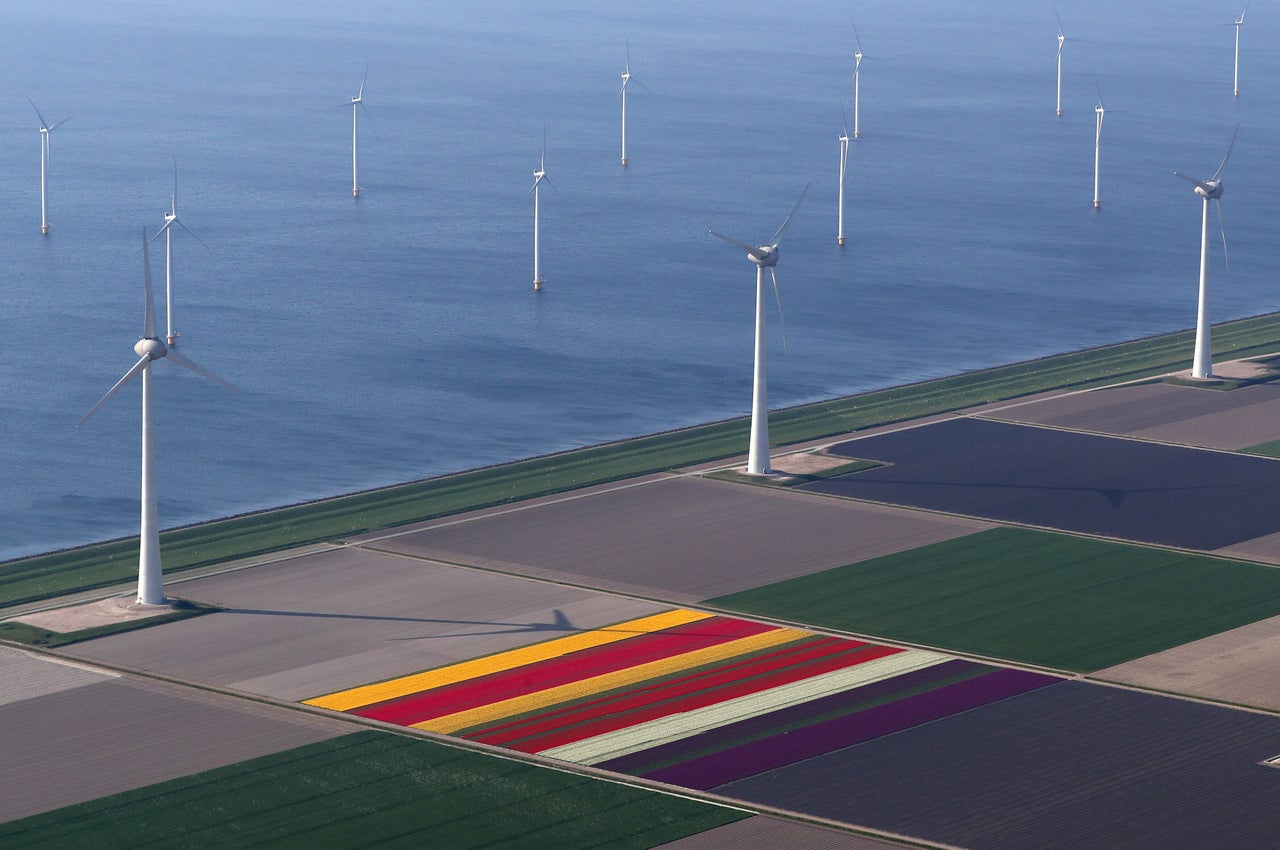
45, 129
765, 257
1101, 112
1239, 23
844, 161
1208, 190
539, 175
626, 78
857, 82
1061, 39
150, 348
357, 103
170, 219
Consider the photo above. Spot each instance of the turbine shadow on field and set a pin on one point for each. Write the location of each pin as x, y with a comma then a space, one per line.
1115, 495
559, 622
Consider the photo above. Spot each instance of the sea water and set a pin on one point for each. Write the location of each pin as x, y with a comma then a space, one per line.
397, 335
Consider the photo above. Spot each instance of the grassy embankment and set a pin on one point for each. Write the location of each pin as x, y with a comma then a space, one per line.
105, 564
373, 788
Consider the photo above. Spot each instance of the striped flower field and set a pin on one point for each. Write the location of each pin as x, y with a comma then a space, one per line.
686, 697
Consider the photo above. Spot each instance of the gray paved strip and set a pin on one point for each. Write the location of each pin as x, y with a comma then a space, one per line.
768, 833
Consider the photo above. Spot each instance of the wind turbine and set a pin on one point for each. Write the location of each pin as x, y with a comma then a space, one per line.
1101, 112
626, 78
149, 348
170, 219
357, 103
1239, 23
1208, 190
764, 256
45, 129
844, 161
857, 80
539, 175
1061, 39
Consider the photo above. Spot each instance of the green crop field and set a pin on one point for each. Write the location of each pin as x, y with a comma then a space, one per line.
374, 788
1048, 599
105, 564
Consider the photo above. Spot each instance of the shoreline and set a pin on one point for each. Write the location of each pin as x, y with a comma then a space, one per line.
283, 527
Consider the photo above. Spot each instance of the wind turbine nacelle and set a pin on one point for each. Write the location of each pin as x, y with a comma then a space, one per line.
150, 347
1212, 191
764, 256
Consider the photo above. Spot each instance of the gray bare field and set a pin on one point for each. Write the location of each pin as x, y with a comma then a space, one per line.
1243, 417
25, 675
319, 623
1238, 666
684, 539
81, 743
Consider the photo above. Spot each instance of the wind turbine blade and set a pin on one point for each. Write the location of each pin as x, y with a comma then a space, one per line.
149, 320
368, 117
743, 245
161, 231
363, 79
128, 376
1221, 168
1059, 17
856, 43
1098, 86
844, 118
782, 231
199, 370
1242, 14
1200, 183
44, 124
552, 185
192, 234
782, 320
58, 124
1226, 258
173, 199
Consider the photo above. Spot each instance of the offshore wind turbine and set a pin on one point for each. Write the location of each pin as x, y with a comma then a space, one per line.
626, 78
1101, 112
1208, 190
844, 161
857, 82
539, 175
765, 257
45, 129
170, 219
149, 349
357, 103
1239, 23
1061, 39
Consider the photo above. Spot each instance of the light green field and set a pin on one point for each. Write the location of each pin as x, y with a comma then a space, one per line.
111, 563
374, 789
1054, 600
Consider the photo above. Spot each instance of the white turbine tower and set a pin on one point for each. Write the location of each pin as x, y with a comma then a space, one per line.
149, 348
1061, 39
857, 82
1208, 190
539, 175
764, 256
1239, 23
45, 129
626, 78
1101, 112
357, 103
170, 219
844, 161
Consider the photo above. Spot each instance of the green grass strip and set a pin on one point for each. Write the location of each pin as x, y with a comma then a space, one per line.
374, 789
1048, 599
1271, 449
105, 564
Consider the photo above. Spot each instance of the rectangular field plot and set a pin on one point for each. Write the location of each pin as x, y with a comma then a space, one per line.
1037, 597
1073, 765
1127, 489
372, 788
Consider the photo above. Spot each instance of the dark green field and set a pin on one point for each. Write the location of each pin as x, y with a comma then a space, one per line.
1048, 599
374, 788
105, 564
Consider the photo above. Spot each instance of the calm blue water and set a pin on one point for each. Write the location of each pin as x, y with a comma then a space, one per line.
399, 337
